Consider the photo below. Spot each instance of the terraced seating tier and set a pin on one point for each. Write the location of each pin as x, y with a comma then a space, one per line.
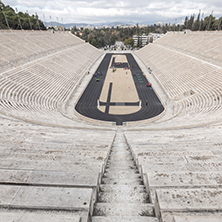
19, 47
50, 171
191, 81
36, 90
182, 169
192, 43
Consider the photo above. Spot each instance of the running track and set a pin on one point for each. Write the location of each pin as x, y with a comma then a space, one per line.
87, 104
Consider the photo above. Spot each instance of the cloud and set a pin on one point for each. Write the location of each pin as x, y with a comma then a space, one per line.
151, 11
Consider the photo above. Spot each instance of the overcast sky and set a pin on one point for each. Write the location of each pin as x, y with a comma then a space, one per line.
97, 11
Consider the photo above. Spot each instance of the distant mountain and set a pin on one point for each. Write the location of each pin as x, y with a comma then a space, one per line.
110, 24
67, 25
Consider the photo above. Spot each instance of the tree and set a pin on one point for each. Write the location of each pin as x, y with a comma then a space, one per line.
186, 22
191, 22
108, 36
6, 12
114, 38
220, 24
129, 42
139, 42
197, 23
209, 23
94, 42
151, 39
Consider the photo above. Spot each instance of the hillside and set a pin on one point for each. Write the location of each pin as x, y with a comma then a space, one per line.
10, 19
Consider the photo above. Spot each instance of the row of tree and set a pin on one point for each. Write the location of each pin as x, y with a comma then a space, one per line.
209, 23
108, 36
10, 19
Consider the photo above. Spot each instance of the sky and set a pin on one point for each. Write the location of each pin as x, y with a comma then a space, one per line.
101, 11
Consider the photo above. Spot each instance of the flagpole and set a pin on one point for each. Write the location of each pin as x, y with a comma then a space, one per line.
29, 19
37, 20
201, 20
18, 18
219, 23
193, 22
211, 15
44, 19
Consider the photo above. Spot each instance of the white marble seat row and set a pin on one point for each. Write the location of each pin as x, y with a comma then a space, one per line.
34, 217
22, 46
205, 103
45, 199
50, 171
36, 90
178, 73
182, 170
193, 205
193, 43
193, 83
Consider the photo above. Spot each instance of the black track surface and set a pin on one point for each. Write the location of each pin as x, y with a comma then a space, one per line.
87, 104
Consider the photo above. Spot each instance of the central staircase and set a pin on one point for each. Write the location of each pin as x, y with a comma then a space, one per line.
122, 195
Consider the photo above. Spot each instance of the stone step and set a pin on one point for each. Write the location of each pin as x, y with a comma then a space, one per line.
35, 217
123, 147
119, 143
125, 181
125, 219
125, 155
123, 197
118, 169
119, 160
184, 179
192, 199
120, 151
45, 198
216, 217
121, 167
121, 174
46, 178
121, 188
119, 209
50, 165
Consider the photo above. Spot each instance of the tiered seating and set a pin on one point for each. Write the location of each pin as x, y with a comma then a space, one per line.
35, 91
205, 45
179, 73
52, 173
19, 47
182, 169
204, 105
44, 168
191, 82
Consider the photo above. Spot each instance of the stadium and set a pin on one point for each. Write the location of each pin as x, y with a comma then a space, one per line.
90, 135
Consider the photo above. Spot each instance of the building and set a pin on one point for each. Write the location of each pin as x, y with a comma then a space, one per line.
143, 40
154, 36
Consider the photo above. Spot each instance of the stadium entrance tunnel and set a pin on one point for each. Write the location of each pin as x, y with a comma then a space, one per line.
119, 92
